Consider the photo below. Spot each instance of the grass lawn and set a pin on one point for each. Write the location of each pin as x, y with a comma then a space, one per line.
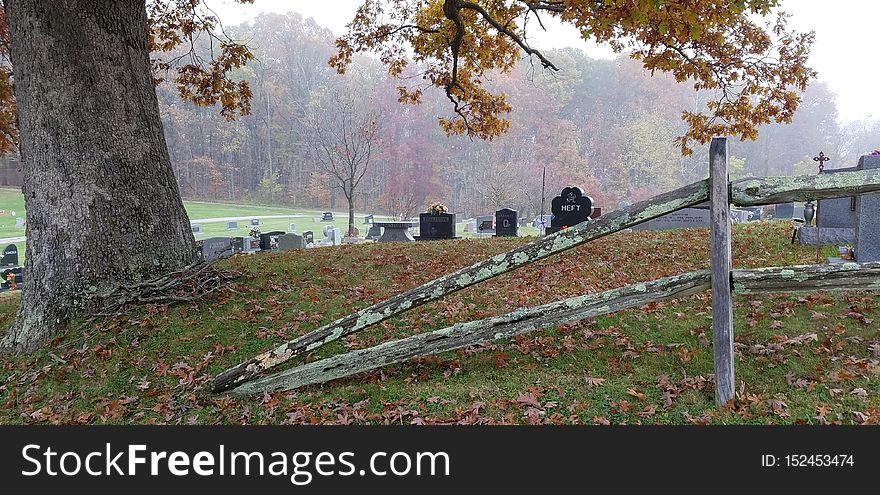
812, 358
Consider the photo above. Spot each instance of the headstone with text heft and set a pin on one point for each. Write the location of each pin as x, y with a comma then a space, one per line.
436, 226
506, 224
867, 247
570, 208
10, 256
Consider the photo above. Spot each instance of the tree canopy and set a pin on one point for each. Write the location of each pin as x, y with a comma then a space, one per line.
756, 70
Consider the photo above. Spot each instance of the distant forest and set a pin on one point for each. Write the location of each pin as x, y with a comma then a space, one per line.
607, 126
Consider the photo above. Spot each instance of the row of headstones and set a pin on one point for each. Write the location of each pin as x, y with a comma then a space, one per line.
218, 247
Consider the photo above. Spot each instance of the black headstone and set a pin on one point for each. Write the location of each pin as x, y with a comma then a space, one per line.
309, 237
505, 223
436, 226
570, 208
10, 256
237, 244
17, 274
375, 232
368, 220
269, 240
328, 217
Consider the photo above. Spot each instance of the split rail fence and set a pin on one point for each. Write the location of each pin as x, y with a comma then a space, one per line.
721, 278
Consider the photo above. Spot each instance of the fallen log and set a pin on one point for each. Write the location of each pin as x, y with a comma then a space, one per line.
793, 279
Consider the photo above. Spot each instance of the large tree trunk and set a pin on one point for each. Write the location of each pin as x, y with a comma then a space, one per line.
102, 204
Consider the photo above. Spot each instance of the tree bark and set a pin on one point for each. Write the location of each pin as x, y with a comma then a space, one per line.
102, 202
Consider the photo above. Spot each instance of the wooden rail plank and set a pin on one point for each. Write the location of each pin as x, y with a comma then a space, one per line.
773, 190
474, 332
722, 300
789, 279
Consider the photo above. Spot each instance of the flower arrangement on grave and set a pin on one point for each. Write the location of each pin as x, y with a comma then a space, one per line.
437, 208
255, 233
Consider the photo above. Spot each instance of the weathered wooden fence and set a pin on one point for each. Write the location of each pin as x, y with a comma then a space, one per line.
722, 279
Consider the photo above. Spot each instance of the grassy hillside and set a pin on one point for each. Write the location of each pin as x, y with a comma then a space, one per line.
812, 358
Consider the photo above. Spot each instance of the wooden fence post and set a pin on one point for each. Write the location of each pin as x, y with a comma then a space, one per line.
722, 304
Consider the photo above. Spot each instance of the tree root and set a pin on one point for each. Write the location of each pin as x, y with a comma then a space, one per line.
189, 284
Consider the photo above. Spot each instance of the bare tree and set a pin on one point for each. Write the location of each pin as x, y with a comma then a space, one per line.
344, 133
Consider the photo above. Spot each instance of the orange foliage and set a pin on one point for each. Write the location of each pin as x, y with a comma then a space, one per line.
714, 44
173, 23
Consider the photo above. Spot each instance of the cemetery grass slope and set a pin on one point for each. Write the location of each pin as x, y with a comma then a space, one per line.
812, 358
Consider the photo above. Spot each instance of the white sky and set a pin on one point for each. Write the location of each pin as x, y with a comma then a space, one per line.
845, 53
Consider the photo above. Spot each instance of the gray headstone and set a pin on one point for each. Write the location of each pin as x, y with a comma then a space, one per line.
784, 211
19, 222
838, 212
216, 247
688, 218
485, 224
287, 242
756, 211
867, 247
396, 232
255, 222
291, 228
336, 237
196, 228
740, 216
231, 225
375, 232
828, 236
